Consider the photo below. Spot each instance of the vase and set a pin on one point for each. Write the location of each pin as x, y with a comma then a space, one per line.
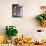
13, 38
9, 41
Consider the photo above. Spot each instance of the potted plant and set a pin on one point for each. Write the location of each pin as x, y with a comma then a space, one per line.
10, 31
42, 17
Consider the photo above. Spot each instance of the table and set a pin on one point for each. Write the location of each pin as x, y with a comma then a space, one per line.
25, 44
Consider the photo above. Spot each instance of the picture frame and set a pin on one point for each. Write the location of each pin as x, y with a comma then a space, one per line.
17, 10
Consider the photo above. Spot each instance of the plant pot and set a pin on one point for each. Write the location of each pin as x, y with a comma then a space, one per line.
9, 41
43, 23
13, 38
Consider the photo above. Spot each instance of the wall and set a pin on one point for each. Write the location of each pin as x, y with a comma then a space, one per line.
25, 25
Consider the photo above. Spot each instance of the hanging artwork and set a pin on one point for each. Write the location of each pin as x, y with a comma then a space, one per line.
17, 10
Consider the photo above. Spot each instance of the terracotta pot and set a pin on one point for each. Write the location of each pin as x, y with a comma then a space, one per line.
43, 23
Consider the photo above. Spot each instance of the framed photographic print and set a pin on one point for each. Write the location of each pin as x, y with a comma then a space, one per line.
17, 10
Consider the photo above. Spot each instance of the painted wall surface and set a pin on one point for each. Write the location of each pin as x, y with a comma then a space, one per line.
26, 25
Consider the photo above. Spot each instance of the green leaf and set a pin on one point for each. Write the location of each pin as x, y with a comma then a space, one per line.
40, 18
45, 16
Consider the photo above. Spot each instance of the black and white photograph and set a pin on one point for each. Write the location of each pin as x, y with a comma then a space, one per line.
17, 10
